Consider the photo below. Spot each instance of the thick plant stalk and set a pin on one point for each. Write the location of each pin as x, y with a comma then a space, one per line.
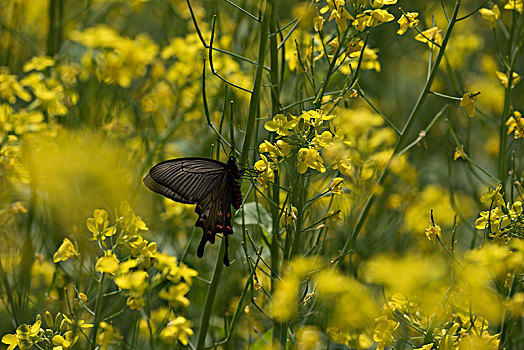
278, 334
251, 122
98, 310
255, 95
210, 298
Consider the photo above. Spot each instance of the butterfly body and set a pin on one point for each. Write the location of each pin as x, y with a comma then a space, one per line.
210, 184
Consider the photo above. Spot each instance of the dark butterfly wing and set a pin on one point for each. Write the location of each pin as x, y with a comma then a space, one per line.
185, 180
163, 190
214, 215
209, 183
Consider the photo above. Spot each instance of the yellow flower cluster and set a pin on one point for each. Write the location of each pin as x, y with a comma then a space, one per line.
515, 125
43, 93
349, 305
114, 58
362, 20
301, 137
61, 333
132, 272
458, 312
502, 221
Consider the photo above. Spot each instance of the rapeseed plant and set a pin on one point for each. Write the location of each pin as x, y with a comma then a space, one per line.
332, 246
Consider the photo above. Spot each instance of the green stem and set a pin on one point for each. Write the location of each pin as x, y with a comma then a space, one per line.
275, 108
210, 298
505, 113
98, 306
255, 95
318, 100
52, 33
301, 189
404, 134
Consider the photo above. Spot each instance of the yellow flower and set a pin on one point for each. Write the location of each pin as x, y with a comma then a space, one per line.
66, 250
127, 265
12, 341
336, 186
281, 124
10, 88
341, 17
433, 34
483, 341
379, 16
504, 78
491, 15
515, 123
468, 102
98, 225
122, 59
107, 335
65, 342
266, 174
166, 263
131, 222
107, 264
179, 328
515, 305
383, 332
284, 148
39, 63
318, 23
499, 218
51, 97
459, 153
186, 273
22, 122
516, 5
175, 295
433, 231
380, 3
372, 18
309, 338
493, 196
285, 299
339, 13
26, 335
82, 297
315, 117
280, 149
323, 140
136, 281
309, 158
407, 20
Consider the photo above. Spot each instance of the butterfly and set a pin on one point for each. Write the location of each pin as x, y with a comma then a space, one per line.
210, 184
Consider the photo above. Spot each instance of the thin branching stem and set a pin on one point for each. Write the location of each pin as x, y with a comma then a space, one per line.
405, 131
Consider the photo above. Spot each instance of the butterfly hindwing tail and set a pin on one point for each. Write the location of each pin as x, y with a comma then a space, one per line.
214, 216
